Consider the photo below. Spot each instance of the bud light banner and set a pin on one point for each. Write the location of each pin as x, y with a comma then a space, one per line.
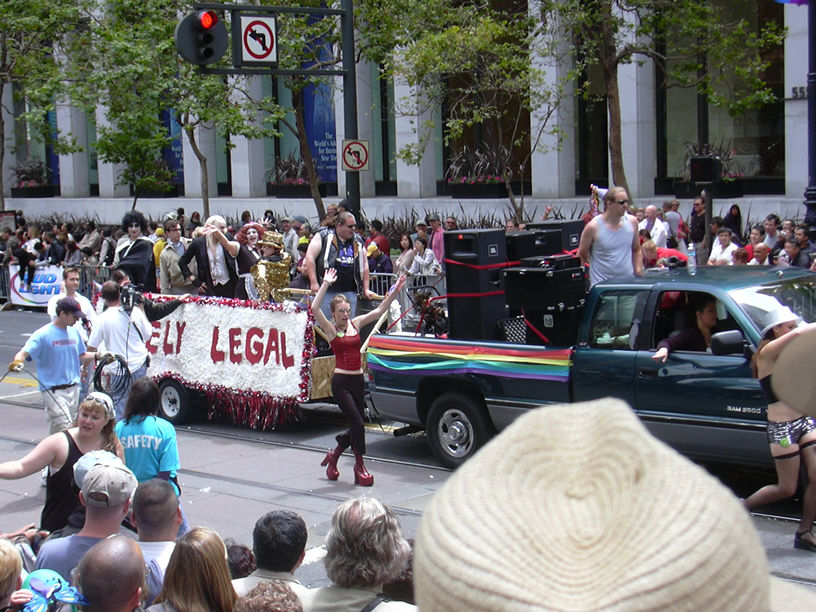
34, 286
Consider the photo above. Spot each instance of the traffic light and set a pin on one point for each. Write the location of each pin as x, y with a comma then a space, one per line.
705, 169
201, 38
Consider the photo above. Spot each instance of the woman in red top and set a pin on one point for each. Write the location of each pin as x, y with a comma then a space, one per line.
342, 332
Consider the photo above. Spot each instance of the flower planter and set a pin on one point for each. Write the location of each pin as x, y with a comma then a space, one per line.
730, 189
293, 191
40, 191
476, 190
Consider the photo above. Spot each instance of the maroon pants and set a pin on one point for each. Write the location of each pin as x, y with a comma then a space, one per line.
349, 391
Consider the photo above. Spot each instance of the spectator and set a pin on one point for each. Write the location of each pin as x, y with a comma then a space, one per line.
269, 596
377, 236
421, 231
300, 280
756, 236
248, 255
197, 576
111, 576
733, 221
125, 335
451, 224
378, 261
762, 254
107, 250
152, 229
365, 549
10, 243
773, 237
240, 560
55, 251
332, 210
436, 241
195, 222
92, 238
655, 256
697, 230
511, 225
88, 257
633, 526
723, 249
11, 567
795, 256
290, 237
801, 233
134, 252
246, 217
106, 492
279, 545
157, 516
655, 226
740, 257
424, 261
674, 223
406, 256
787, 228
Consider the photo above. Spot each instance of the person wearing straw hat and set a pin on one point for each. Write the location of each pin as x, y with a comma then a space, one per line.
578, 507
348, 384
791, 435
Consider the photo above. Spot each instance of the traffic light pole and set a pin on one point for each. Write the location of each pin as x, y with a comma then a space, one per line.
348, 71
810, 191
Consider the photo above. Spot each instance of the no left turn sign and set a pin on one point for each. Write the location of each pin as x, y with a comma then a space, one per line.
355, 155
258, 40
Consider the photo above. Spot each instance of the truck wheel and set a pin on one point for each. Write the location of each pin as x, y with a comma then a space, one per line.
174, 404
457, 427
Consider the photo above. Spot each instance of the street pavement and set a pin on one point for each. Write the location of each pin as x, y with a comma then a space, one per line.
231, 476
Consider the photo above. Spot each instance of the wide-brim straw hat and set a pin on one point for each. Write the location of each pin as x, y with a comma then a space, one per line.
793, 379
578, 507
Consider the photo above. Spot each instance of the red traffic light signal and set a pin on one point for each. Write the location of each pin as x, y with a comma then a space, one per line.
201, 38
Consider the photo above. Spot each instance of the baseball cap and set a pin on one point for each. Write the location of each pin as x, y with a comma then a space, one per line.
371, 248
433, 217
421, 222
68, 304
90, 460
108, 486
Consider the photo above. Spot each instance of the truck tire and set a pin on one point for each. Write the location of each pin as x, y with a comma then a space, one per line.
457, 427
174, 401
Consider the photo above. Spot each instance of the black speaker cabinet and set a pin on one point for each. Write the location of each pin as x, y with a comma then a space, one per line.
530, 243
472, 274
570, 231
543, 288
558, 326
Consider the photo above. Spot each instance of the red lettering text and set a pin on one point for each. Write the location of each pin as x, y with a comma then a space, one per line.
180, 325
153, 336
169, 349
235, 344
288, 360
254, 350
215, 354
272, 345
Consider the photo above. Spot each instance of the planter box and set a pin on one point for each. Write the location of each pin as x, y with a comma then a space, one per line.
688, 190
479, 190
40, 191
293, 191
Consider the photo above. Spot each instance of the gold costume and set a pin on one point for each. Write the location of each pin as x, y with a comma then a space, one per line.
271, 274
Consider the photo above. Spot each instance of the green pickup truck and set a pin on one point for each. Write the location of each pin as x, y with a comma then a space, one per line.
707, 405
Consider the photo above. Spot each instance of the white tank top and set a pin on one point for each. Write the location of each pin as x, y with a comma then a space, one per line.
611, 253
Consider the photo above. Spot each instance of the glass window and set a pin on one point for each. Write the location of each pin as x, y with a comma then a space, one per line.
616, 321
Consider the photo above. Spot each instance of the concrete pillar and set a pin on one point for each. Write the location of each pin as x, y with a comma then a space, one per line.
552, 163
110, 184
412, 116
247, 156
796, 113
365, 126
74, 178
205, 138
9, 158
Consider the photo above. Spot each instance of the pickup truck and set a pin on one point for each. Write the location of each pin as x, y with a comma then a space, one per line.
707, 405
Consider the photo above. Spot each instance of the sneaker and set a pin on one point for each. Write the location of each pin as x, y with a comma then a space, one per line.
800, 542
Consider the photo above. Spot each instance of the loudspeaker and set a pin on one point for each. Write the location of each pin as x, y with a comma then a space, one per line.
476, 260
529, 243
558, 326
570, 231
544, 288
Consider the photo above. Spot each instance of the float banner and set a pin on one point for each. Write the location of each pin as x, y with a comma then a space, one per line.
46, 283
251, 359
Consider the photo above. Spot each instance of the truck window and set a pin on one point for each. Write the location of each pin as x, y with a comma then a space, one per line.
616, 321
676, 312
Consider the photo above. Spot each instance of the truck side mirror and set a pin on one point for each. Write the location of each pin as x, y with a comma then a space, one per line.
728, 342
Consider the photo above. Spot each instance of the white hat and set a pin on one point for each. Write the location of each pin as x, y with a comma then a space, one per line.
578, 507
777, 316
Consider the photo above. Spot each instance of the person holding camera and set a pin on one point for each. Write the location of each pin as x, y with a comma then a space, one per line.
125, 332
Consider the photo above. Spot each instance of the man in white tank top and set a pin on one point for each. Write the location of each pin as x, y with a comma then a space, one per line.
610, 243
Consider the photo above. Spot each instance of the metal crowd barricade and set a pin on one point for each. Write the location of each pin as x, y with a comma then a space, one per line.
88, 275
5, 284
379, 283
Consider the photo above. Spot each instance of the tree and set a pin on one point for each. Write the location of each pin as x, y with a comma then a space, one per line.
689, 40
29, 32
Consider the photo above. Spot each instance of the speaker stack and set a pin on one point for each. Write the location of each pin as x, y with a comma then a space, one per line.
570, 231
475, 284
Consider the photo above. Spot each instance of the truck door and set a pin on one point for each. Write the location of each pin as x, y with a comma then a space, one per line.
693, 390
604, 360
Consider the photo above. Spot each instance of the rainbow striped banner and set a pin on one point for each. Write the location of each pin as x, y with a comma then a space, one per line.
389, 353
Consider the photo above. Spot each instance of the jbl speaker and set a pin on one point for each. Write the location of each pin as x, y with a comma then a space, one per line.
570, 231
529, 243
473, 272
543, 288
558, 326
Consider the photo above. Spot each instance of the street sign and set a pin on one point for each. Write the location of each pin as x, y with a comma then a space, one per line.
257, 43
355, 155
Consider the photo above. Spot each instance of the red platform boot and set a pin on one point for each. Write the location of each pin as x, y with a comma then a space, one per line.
361, 475
330, 461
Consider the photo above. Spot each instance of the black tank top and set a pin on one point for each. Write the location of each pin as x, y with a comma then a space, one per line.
60, 499
765, 385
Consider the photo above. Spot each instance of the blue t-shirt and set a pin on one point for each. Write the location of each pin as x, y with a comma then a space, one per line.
150, 447
56, 352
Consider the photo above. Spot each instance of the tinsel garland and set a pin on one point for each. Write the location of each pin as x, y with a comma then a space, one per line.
256, 409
